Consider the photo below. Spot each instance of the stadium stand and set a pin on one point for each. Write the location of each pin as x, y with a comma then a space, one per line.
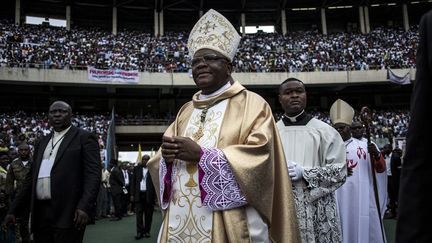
35, 46
340, 50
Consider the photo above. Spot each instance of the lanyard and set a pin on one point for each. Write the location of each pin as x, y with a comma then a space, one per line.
53, 145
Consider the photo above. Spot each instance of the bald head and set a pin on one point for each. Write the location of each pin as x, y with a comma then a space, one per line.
59, 116
60, 103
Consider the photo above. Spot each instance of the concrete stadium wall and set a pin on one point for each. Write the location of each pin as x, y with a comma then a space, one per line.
140, 129
77, 77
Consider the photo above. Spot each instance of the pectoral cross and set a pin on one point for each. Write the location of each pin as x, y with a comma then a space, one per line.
200, 132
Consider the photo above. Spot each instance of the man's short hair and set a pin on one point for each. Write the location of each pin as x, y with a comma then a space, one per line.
290, 80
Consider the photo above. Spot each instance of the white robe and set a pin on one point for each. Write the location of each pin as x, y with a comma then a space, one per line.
382, 181
319, 149
356, 199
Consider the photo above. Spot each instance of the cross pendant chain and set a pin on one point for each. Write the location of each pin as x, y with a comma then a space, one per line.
200, 132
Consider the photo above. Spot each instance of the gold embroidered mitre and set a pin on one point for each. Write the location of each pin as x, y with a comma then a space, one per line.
213, 31
341, 112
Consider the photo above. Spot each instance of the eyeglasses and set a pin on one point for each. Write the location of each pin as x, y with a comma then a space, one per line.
358, 127
206, 59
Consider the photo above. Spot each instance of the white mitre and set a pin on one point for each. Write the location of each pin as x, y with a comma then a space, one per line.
341, 112
213, 31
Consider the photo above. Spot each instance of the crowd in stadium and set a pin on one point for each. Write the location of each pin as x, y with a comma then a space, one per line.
36, 46
20, 126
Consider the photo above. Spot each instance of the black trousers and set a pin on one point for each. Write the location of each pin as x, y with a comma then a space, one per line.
43, 230
117, 201
392, 194
143, 208
56, 235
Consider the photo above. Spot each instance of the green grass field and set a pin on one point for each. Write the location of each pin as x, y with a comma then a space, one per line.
123, 231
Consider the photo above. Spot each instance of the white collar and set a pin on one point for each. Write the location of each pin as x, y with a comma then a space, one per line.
294, 118
61, 133
220, 90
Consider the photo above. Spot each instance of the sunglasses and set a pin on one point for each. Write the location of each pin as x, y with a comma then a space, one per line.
206, 59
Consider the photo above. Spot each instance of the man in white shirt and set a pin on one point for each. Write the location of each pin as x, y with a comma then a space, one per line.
144, 195
63, 182
119, 182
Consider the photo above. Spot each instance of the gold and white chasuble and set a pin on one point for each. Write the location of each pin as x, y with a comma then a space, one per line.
241, 127
188, 219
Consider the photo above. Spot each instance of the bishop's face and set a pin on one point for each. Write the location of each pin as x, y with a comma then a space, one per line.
210, 70
344, 130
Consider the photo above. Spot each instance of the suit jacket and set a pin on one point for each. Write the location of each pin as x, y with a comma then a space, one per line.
117, 181
414, 206
75, 177
136, 185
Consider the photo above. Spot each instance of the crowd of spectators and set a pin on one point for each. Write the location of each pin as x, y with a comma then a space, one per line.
20, 126
36, 46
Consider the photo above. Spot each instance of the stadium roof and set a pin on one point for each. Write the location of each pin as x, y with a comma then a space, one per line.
182, 14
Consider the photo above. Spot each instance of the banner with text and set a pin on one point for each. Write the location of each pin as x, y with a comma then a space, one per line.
112, 75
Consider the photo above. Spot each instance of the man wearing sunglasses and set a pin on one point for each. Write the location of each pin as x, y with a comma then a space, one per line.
221, 170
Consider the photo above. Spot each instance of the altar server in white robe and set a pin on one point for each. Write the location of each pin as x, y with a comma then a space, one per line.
221, 171
315, 153
356, 198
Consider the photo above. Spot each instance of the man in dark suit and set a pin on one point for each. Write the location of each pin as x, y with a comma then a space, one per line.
120, 183
63, 181
415, 211
143, 194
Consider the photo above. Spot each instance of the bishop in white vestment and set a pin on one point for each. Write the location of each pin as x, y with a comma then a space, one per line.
221, 171
356, 198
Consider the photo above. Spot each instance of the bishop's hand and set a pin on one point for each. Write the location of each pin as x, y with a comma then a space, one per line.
169, 149
182, 148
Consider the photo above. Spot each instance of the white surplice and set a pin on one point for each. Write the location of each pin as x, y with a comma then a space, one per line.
319, 149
